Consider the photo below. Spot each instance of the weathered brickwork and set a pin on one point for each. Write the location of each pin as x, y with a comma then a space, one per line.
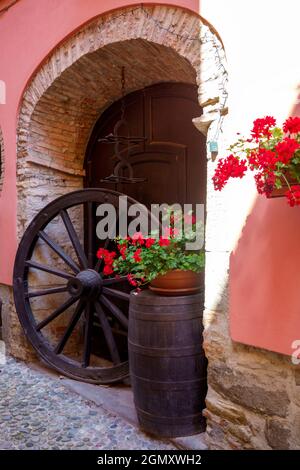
253, 396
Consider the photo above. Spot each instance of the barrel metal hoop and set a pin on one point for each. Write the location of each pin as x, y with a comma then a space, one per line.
171, 386
166, 352
147, 298
170, 419
164, 317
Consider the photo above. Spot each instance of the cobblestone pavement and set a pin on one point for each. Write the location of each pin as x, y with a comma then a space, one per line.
38, 412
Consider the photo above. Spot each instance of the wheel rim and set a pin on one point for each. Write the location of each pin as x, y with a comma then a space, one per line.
87, 293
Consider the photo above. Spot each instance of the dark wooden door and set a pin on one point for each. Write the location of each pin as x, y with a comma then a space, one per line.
173, 158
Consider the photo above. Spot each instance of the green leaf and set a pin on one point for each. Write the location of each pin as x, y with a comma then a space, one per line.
277, 133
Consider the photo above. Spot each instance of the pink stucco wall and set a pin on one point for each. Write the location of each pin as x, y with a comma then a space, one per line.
261, 39
28, 32
265, 279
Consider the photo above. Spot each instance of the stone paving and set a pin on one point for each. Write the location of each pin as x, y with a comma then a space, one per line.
38, 412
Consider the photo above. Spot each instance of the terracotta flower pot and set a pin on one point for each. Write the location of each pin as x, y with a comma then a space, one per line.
178, 282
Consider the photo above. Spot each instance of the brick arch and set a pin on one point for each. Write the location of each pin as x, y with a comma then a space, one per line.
81, 77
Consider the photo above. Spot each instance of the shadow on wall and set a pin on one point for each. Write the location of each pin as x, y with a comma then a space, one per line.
253, 397
265, 278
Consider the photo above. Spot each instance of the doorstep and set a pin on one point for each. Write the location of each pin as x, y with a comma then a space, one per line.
118, 400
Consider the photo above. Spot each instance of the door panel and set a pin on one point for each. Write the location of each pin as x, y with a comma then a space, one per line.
159, 167
173, 157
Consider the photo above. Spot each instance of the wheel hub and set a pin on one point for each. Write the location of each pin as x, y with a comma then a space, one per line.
87, 283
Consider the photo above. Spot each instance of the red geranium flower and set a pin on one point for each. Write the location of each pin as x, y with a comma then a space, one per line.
264, 184
273, 156
164, 241
107, 270
293, 195
150, 242
136, 256
266, 159
122, 250
286, 149
261, 127
292, 125
131, 280
109, 258
101, 253
229, 167
253, 159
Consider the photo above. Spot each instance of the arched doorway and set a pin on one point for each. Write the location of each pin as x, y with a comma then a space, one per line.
172, 159
79, 80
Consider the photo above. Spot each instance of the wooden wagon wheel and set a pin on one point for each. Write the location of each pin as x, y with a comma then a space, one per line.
88, 293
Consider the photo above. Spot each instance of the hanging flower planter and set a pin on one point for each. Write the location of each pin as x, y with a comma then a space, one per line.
287, 182
272, 153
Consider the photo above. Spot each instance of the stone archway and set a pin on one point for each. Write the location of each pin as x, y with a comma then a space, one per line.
80, 79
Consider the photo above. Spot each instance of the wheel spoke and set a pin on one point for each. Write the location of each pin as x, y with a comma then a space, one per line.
56, 313
117, 313
48, 269
87, 336
109, 337
39, 293
116, 293
114, 280
61, 253
74, 239
73, 322
90, 238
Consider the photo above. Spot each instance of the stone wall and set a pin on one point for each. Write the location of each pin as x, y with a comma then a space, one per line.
253, 394
253, 398
12, 332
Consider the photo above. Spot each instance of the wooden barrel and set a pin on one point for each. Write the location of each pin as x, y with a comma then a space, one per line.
167, 363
